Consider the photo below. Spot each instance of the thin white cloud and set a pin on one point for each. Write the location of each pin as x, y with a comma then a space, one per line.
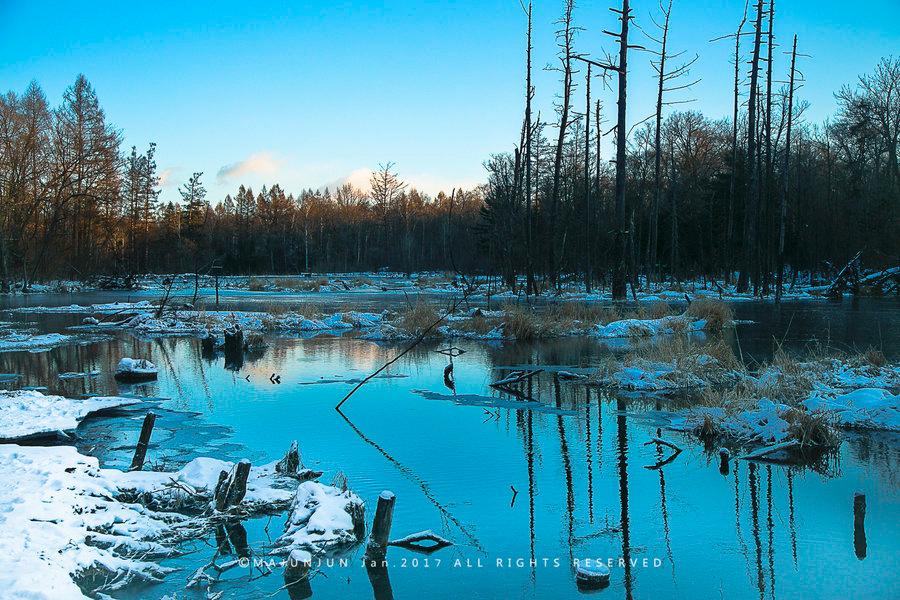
167, 177
424, 182
261, 163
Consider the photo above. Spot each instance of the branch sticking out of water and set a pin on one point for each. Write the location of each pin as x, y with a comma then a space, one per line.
414, 343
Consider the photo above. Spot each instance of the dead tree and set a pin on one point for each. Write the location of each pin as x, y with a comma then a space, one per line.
732, 182
752, 204
565, 37
530, 287
588, 268
663, 78
620, 238
779, 275
770, 46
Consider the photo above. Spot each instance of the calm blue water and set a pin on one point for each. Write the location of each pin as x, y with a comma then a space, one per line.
579, 465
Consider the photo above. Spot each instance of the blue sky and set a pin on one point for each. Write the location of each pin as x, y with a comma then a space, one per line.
313, 93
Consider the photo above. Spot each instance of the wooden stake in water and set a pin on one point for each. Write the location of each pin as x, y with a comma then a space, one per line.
140, 452
381, 525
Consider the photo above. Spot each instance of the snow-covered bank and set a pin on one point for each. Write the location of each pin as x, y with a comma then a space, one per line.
64, 524
75, 522
798, 404
26, 414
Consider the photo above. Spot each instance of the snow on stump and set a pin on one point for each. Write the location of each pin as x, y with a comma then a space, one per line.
322, 519
136, 370
90, 321
591, 575
381, 525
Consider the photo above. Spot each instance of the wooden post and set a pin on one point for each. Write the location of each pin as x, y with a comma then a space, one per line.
381, 525
140, 452
859, 525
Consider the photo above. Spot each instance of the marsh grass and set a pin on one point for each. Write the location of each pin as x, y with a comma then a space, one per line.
255, 284
716, 313
479, 325
415, 318
301, 284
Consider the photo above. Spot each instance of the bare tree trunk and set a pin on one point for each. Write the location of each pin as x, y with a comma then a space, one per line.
729, 233
588, 267
657, 144
566, 56
767, 222
530, 287
779, 284
752, 204
619, 249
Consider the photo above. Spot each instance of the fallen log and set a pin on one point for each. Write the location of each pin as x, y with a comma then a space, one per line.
767, 450
516, 377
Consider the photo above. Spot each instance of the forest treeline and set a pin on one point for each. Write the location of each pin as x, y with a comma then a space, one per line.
751, 196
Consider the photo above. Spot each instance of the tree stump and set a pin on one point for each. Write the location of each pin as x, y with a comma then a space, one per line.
232, 487
381, 525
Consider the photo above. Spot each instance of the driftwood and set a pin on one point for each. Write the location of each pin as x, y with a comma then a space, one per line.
515, 377
661, 442
765, 451
414, 542
140, 451
232, 487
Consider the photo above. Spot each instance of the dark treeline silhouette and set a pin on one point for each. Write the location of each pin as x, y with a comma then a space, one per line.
683, 196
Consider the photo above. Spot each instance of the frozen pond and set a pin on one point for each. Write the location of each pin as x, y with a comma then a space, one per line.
578, 463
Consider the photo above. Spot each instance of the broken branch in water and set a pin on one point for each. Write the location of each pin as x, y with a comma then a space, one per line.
415, 343
767, 450
414, 541
515, 377
662, 442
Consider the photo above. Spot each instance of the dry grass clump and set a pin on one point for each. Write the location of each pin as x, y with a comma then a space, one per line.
687, 354
301, 284
479, 325
873, 357
568, 313
256, 284
657, 310
254, 341
427, 281
416, 318
810, 430
716, 313
523, 323
277, 309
